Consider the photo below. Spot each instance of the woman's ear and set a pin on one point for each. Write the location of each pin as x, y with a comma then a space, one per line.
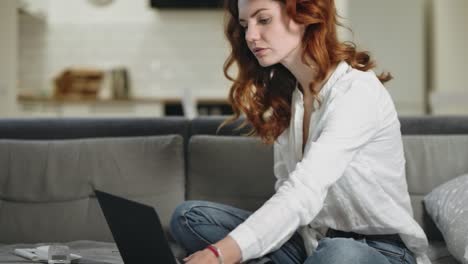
303, 28
295, 27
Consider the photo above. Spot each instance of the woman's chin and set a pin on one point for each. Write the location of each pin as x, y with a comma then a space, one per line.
266, 63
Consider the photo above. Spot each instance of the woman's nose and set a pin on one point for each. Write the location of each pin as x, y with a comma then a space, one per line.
252, 34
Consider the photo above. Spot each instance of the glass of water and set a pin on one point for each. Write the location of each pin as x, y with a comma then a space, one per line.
59, 254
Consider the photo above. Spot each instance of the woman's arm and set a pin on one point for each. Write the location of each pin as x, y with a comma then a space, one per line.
350, 124
279, 166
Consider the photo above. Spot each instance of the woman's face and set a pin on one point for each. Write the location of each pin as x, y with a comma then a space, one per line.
271, 35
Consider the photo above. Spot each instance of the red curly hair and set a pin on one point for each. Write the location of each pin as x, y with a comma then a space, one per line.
264, 94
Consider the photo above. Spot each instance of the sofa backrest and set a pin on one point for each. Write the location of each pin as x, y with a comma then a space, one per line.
49, 168
436, 151
46, 184
74, 128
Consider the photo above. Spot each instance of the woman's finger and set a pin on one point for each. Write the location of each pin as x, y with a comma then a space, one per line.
188, 258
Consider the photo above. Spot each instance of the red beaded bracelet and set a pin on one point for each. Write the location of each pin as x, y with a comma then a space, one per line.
213, 249
216, 252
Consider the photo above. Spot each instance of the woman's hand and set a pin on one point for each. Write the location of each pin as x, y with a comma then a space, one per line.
202, 257
229, 250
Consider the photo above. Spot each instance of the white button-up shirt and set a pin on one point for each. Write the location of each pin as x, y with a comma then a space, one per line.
351, 176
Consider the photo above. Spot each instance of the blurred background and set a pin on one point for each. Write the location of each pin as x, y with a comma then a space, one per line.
152, 58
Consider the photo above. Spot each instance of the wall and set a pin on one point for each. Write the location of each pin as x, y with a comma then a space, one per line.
166, 51
450, 56
158, 47
394, 33
8, 60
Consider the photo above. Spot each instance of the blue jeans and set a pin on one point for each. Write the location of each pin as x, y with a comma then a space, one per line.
196, 224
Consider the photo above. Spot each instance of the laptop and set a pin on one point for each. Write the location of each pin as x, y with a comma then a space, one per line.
136, 229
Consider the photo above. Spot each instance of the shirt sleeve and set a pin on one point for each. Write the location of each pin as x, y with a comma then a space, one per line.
279, 167
351, 124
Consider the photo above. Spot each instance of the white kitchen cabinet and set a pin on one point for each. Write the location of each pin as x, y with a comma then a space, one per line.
36, 8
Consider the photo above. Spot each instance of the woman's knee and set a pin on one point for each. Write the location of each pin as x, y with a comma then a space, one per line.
194, 224
191, 213
179, 217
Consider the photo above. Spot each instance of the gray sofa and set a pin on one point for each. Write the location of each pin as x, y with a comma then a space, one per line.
50, 167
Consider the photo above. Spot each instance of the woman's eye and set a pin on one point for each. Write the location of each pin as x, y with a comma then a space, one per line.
264, 21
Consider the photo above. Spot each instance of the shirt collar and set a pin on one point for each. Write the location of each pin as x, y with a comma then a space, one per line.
340, 70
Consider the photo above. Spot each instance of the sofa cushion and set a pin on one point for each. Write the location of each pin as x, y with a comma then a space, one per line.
237, 171
46, 186
448, 206
432, 160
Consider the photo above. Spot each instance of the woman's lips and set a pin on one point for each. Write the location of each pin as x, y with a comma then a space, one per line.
260, 52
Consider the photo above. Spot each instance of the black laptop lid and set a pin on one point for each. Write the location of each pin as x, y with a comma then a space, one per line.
136, 229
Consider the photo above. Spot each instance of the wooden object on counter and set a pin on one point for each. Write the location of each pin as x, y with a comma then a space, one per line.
78, 83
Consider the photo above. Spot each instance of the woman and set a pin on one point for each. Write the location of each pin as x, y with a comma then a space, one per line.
341, 194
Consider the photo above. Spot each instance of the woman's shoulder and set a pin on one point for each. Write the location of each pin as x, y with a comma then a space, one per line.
364, 85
